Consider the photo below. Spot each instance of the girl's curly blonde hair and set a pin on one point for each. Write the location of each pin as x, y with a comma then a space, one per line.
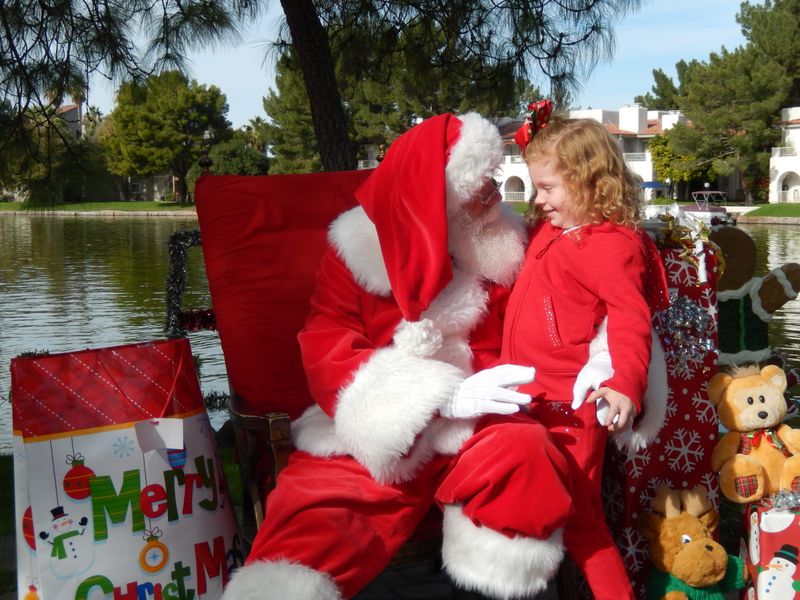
592, 169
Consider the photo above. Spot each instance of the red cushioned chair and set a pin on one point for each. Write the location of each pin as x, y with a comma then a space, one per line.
263, 238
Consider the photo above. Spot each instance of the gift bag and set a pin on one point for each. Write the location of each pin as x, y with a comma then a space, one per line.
771, 551
119, 491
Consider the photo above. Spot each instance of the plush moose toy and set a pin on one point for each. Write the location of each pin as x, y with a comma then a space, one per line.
758, 455
689, 563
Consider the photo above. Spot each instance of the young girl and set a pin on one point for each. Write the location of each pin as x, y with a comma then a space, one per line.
586, 265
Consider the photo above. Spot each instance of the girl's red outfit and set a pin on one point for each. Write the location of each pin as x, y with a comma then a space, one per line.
570, 282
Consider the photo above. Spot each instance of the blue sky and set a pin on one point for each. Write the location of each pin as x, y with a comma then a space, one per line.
658, 35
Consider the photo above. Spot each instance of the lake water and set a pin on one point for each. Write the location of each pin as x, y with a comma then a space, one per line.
69, 283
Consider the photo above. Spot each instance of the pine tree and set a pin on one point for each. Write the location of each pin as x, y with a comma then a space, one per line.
772, 28
733, 103
291, 133
159, 125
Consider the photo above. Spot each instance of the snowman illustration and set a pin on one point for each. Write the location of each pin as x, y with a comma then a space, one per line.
755, 548
72, 553
777, 581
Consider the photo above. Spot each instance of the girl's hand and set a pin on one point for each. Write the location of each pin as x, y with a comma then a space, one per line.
619, 404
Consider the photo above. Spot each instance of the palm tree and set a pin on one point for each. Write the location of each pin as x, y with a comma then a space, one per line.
257, 128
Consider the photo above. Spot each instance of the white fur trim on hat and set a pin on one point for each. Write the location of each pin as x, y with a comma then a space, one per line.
486, 561
391, 400
280, 580
474, 158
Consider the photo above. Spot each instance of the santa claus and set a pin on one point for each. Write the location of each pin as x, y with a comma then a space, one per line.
401, 351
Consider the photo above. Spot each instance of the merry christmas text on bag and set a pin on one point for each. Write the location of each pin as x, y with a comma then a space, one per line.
119, 491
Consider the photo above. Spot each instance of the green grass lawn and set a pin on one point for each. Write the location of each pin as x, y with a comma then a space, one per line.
761, 210
776, 210
142, 206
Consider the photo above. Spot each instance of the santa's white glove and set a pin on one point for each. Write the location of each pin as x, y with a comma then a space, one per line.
487, 392
597, 370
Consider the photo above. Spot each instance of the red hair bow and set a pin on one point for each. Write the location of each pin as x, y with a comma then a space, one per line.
540, 114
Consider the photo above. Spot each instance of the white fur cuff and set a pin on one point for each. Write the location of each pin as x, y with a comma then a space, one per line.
418, 338
486, 561
392, 399
654, 404
280, 580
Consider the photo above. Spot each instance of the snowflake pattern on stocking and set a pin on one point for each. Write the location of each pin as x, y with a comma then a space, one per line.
686, 369
708, 300
684, 450
705, 411
637, 464
679, 272
710, 481
633, 547
672, 406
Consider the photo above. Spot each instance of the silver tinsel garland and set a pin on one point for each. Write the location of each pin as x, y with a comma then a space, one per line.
785, 500
684, 330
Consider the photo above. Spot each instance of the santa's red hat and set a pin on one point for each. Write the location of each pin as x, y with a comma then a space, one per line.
428, 173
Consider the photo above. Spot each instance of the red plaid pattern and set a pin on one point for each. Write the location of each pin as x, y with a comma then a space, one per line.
752, 439
746, 486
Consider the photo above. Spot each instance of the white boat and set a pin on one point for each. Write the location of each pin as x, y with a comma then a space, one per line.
711, 215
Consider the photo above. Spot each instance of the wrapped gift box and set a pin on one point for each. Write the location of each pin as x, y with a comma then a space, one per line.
771, 549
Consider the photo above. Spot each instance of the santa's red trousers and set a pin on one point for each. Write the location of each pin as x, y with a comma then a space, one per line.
522, 475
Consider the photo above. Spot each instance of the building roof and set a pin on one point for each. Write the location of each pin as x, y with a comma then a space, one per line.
508, 127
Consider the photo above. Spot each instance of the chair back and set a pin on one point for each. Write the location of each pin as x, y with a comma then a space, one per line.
263, 238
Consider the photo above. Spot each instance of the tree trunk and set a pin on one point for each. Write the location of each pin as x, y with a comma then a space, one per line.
182, 191
310, 42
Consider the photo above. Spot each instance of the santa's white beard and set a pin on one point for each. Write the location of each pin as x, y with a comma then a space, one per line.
490, 245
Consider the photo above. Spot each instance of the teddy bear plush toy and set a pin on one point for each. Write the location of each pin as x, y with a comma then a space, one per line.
758, 456
689, 563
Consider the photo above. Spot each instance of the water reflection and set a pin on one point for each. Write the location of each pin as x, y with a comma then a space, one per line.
68, 283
